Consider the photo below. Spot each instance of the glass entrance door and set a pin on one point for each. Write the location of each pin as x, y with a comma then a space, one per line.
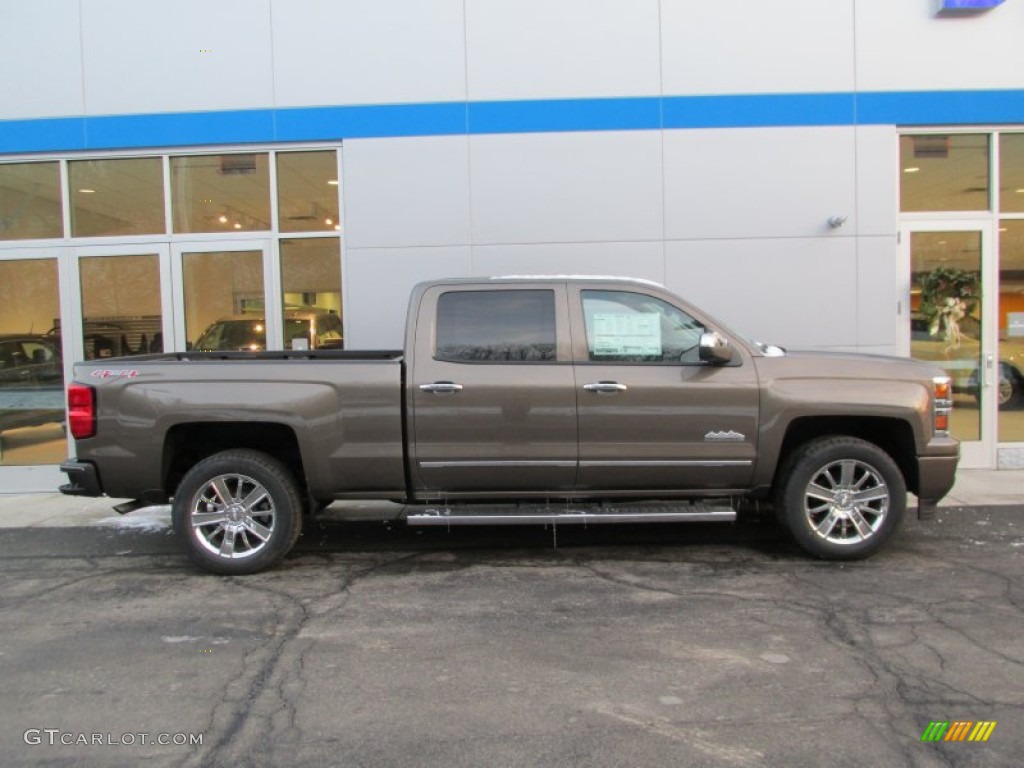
123, 294
950, 321
222, 297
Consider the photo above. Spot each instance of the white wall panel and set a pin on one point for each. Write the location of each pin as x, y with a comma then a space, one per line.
403, 192
41, 58
368, 52
642, 260
378, 283
537, 49
798, 293
738, 46
878, 157
175, 57
768, 182
905, 46
878, 325
541, 188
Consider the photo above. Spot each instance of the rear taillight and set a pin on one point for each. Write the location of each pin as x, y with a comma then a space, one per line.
943, 387
82, 411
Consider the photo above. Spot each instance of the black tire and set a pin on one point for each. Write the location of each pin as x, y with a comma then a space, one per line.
841, 497
251, 529
1009, 387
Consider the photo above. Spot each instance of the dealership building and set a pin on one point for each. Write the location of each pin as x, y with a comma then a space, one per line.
842, 175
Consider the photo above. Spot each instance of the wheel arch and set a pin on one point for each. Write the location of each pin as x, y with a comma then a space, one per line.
185, 445
894, 436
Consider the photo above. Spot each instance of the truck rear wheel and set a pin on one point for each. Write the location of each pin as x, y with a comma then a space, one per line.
237, 512
841, 497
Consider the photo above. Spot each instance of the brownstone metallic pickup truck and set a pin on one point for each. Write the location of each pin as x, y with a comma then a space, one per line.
518, 400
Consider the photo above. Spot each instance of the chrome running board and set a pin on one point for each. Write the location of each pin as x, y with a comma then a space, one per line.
541, 514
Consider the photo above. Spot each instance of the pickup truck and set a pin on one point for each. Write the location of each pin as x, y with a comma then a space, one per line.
552, 400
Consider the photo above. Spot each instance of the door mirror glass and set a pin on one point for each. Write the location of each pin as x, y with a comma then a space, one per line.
715, 349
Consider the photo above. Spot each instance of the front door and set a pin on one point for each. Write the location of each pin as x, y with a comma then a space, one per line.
652, 416
492, 392
951, 321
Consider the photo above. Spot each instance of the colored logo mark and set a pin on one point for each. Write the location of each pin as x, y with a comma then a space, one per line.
959, 730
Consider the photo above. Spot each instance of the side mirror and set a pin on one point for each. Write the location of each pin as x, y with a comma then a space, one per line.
715, 349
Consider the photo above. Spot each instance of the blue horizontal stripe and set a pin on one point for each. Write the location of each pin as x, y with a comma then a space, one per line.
622, 114
265, 126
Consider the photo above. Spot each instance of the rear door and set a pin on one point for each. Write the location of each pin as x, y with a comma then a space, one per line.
493, 401
652, 416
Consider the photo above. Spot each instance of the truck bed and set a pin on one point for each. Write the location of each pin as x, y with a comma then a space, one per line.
339, 411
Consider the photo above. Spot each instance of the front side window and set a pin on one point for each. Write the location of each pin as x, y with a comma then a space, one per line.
496, 326
626, 327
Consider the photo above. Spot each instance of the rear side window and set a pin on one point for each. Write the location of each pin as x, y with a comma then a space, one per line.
496, 326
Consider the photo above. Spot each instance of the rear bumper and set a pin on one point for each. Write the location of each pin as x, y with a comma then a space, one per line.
85, 480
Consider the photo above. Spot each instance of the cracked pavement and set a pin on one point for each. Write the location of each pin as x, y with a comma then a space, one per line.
378, 645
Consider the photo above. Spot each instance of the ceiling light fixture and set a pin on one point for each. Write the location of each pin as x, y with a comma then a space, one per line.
87, 191
333, 182
911, 170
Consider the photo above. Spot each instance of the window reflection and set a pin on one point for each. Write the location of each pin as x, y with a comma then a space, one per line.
224, 304
31, 370
311, 281
116, 197
1011, 331
221, 193
943, 172
121, 305
30, 201
1011, 172
496, 326
307, 191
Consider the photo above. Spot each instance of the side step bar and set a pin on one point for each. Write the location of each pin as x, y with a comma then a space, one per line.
541, 514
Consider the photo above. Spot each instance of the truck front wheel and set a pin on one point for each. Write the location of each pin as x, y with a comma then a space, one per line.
237, 512
841, 497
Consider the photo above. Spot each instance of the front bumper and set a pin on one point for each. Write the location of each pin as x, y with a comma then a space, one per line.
85, 480
936, 474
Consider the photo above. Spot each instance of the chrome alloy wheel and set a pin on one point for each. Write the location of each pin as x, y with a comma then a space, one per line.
846, 501
232, 516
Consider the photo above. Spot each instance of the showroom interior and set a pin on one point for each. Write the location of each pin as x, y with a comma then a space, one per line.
848, 177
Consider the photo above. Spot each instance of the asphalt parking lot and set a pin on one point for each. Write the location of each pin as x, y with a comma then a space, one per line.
378, 645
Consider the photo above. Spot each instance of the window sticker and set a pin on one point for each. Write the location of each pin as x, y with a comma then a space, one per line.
627, 334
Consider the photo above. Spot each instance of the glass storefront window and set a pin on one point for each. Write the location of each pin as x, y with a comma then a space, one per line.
1011, 331
1011, 173
947, 314
311, 283
307, 191
221, 193
30, 201
224, 305
31, 369
116, 197
121, 305
944, 172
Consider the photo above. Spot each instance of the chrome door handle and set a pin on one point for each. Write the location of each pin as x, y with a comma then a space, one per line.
605, 387
441, 388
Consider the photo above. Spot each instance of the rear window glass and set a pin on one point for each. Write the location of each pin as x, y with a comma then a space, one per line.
496, 326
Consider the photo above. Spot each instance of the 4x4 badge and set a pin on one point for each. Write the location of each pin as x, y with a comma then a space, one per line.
724, 437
